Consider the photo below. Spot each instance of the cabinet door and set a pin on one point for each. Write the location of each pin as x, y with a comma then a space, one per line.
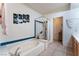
74, 47
77, 49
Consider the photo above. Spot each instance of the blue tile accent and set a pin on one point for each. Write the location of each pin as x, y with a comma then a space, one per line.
19, 40
14, 41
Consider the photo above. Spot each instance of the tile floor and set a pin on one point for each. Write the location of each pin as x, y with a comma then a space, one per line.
55, 49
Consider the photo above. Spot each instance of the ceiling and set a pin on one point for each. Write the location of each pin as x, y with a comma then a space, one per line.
46, 8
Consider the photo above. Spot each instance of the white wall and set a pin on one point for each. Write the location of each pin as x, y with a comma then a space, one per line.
66, 31
48, 30
18, 31
74, 17
74, 5
50, 23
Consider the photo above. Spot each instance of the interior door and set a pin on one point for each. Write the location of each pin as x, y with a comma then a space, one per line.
57, 28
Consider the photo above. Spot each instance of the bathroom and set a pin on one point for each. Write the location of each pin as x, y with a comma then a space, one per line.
37, 30
13, 35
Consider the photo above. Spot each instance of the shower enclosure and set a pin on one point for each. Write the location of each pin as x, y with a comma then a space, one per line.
41, 28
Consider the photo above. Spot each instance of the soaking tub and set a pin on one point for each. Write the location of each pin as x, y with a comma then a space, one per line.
31, 47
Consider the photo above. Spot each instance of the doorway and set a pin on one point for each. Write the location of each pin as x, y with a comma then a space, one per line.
58, 29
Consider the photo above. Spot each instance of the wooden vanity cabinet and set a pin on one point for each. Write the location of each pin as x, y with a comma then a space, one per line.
75, 46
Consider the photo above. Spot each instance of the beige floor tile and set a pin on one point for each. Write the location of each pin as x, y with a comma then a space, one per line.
59, 53
55, 49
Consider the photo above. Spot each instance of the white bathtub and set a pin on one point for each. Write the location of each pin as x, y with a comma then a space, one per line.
31, 47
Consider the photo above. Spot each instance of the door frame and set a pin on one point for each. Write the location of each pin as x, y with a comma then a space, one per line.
62, 28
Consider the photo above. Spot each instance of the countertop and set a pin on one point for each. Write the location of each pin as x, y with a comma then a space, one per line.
76, 36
